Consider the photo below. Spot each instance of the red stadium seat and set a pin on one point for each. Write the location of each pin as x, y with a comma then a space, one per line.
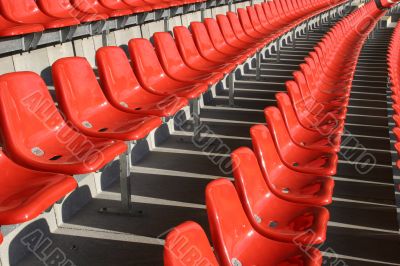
187, 244
324, 123
219, 42
237, 242
207, 49
298, 158
232, 39
27, 12
271, 216
284, 182
303, 136
25, 193
175, 67
94, 7
64, 8
192, 57
152, 76
35, 135
123, 90
143, 5
8, 28
83, 103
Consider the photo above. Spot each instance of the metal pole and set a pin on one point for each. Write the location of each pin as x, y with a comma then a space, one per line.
278, 50
231, 89
166, 24
125, 180
294, 38
258, 70
196, 119
307, 31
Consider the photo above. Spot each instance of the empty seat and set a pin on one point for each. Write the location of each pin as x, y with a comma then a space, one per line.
94, 7
270, 215
27, 12
85, 106
25, 193
303, 136
8, 28
123, 90
235, 240
35, 135
152, 76
191, 55
297, 157
64, 8
284, 182
175, 67
187, 244
207, 49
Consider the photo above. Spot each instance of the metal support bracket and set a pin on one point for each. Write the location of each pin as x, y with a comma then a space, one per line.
231, 88
258, 66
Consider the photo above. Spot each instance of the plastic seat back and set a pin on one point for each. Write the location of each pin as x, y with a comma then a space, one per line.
235, 239
167, 52
201, 38
215, 33
187, 245
78, 92
226, 28
186, 45
28, 12
8, 28
28, 116
236, 25
117, 77
145, 61
58, 8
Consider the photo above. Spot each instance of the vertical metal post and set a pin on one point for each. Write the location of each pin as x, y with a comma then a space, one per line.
329, 17
230, 5
278, 50
196, 119
320, 22
231, 89
294, 38
125, 180
258, 70
166, 24
307, 30
202, 15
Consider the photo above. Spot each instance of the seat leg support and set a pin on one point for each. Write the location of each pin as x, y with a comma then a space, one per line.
278, 50
196, 119
230, 5
307, 31
231, 89
294, 38
126, 207
166, 24
258, 67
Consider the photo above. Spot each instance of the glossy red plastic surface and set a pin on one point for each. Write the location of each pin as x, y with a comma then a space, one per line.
8, 28
236, 241
64, 8
123, 90
302, 136
95, 7
192, 57
28, 12
207, 49
283, 181
270, 215
25, 193
298, 158
187, 244
82, 101
173, 64
151, 75
35, 135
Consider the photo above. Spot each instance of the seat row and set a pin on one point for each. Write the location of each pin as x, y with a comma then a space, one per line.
275, 203
393, 60
28, 16
98, 122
